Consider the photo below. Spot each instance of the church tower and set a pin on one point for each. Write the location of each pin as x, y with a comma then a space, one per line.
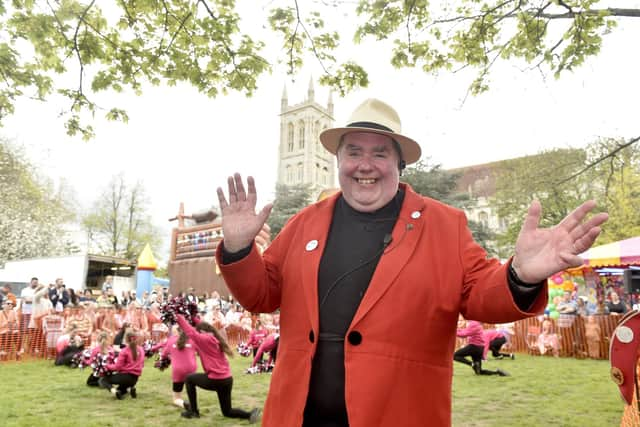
301, 157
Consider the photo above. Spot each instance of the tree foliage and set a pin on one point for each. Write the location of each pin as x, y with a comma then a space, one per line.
522, 180
32, 212
117, 46
617, 179
432, 181
563, 178
119, 223
122, 47
289, 200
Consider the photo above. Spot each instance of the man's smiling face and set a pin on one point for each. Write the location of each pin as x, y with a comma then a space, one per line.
368, 170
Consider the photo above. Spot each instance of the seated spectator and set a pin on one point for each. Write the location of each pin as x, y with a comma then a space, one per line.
593, 335
137, 319
567, 305
74, 299
86, 296
8, 295
597, 308
581, 306
68, 345
103, 300
82, 322
8, 327
53, 327
548, 340
615, 305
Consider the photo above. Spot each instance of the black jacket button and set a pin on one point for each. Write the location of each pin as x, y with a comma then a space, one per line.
312, 337
355, 337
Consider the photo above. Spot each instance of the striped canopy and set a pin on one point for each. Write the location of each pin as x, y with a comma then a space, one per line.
623, 252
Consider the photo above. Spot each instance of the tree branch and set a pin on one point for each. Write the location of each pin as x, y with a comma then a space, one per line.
610, 154
313, 45
611, 11
76, 48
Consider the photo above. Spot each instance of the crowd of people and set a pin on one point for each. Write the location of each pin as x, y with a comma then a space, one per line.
34, 321
112, 336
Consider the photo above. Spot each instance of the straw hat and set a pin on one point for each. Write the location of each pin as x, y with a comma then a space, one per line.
373, 116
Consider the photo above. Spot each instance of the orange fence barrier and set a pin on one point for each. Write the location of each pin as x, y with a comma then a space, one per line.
579, 337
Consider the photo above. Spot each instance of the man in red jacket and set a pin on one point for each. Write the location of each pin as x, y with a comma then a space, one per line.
370, 283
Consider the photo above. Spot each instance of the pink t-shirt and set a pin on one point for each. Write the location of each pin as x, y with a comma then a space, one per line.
125, 364
183, 362
213, 359
473, 333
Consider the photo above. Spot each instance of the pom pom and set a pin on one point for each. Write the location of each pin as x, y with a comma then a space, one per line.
100, 362
178, 305
81, 359
162, 363
244, 349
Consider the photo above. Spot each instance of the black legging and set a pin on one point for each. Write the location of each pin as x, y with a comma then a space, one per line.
475, 351
222, 387
123, 381
495, 345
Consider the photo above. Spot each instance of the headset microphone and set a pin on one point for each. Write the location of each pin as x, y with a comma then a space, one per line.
401, 166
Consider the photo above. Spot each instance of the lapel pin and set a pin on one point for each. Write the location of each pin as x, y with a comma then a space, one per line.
415, 214
311, 245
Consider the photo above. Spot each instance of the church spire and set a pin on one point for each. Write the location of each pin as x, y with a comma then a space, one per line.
330, 103
284, 101
311, 91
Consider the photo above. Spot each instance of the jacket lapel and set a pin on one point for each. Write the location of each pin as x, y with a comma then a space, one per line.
406, 234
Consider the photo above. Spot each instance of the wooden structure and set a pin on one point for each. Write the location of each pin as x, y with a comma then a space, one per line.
192, 255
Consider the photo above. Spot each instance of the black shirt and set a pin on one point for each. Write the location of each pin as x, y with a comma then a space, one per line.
355, 243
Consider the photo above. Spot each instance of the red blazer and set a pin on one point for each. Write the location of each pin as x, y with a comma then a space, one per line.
399, 346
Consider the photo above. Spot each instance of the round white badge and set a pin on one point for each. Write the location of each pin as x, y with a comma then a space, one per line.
311, 245
624, 334
415, 214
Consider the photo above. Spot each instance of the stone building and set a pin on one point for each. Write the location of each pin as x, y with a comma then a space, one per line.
301, 157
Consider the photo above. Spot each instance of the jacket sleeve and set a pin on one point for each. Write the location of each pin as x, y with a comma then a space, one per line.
486, 294
255, 280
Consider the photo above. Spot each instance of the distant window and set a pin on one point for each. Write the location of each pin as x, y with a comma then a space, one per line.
289, 174
301, 135
290, 137
300, 173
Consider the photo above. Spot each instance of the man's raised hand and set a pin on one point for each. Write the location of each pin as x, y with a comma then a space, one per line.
240, 222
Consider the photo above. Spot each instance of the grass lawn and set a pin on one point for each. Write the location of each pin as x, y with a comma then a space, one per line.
541, 391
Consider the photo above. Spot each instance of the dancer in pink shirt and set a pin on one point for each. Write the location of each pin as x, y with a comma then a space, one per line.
473, 332
128, 368
179, 349
213, 351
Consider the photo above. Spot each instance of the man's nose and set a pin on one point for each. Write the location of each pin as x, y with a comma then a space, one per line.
365, 163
